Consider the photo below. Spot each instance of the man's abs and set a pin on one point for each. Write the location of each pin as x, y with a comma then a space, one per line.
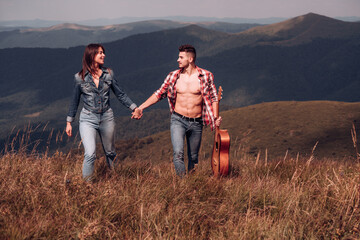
188, 96
188, 105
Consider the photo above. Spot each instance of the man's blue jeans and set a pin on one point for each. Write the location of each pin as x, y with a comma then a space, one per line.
181, 128
90, 124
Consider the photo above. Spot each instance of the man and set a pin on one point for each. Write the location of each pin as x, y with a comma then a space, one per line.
191, 95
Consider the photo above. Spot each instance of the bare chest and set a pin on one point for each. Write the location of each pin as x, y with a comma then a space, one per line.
188, 84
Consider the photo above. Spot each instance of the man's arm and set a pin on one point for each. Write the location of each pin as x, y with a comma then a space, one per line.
217, 118
137, 114
150, 101
215, 101
215, 107
212, 91
158, 95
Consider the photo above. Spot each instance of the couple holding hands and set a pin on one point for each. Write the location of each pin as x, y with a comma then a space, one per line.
191, 95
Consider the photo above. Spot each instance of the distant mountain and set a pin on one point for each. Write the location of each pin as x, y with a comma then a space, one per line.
7, 29
304, 29
38, 23
70, 35
277, 62
296, 31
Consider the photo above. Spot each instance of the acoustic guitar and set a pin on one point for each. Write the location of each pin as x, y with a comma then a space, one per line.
220, 162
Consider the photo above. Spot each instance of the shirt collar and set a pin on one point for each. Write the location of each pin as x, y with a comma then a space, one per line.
104, 69
87, 74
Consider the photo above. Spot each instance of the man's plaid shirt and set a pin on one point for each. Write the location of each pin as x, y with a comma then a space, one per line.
207, 88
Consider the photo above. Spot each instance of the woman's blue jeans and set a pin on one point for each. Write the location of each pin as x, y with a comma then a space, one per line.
180, 129
90, 124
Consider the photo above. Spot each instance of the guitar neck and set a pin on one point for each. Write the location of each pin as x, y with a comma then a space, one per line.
216, 112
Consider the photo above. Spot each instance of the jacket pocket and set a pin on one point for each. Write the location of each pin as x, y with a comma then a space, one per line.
86, 87
107, 84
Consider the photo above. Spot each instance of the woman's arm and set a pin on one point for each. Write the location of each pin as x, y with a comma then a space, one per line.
120, 94
74, 104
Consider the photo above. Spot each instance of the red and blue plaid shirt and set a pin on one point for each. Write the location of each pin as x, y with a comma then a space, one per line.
207, 88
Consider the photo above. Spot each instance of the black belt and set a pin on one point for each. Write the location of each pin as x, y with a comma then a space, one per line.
199, 119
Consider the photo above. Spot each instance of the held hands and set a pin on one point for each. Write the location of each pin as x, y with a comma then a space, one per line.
137, 114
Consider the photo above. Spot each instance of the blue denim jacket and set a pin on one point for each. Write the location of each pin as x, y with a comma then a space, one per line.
96, 100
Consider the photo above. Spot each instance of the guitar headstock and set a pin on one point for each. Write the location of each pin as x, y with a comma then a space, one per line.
220, 93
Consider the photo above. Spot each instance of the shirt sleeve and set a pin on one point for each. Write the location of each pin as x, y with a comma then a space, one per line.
75, 99
213, 93
161, 93
120, 94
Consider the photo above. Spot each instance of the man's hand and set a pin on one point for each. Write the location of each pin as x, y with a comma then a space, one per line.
218, 121
68, 129
137, 113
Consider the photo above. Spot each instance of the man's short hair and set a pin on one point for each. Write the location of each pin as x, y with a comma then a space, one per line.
188, 49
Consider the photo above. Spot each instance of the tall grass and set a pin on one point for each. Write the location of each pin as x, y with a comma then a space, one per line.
44, 197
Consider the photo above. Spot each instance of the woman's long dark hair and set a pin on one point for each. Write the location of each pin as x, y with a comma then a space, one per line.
88, 59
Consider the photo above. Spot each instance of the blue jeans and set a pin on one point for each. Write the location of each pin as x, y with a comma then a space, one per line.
181, 128
90, 124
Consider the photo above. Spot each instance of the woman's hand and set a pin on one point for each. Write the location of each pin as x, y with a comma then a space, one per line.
68, 129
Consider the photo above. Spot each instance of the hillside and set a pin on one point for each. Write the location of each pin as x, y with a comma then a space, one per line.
278, 128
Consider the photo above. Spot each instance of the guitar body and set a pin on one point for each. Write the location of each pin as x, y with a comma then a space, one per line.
220, 162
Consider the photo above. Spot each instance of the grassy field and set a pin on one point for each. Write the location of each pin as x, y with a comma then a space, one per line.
44, 197
273, 192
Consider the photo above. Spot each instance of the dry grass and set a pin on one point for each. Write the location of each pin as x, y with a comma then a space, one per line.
44, 197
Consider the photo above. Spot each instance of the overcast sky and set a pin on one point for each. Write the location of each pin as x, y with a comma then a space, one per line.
77, 10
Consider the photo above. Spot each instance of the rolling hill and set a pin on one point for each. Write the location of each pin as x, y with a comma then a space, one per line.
276, 129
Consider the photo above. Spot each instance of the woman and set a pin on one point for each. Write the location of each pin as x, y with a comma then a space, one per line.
93, 84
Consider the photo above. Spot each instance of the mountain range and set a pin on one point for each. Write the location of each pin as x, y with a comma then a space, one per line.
310, 57
70, 35
39, 23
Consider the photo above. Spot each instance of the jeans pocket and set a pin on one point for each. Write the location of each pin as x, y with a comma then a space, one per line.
108, 115
85, 111
85, 115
